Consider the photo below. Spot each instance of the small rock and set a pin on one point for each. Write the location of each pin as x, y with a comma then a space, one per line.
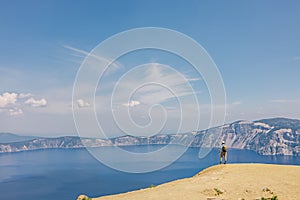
83, 197
265, 189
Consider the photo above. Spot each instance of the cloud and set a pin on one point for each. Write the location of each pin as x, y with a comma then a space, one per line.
285, 101
132, 103
194, 79
36, 103
236, 103
13, 102
15, 111
82, 104
25, 95
8, 99
155, 84
8, 104
114, 65
296, 58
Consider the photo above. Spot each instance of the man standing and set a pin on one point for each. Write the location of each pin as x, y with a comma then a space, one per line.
223, 153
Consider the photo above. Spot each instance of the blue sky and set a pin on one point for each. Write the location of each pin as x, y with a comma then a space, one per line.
255, 44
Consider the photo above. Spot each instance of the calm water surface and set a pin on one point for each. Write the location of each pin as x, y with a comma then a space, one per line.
67, 173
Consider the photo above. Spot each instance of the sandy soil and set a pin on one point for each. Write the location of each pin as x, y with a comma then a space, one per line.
231, 181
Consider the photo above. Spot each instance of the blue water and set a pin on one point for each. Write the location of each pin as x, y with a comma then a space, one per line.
70, 172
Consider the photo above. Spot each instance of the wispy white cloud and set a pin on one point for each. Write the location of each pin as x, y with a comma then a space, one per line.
36, 103
156, 94
155, 83
285, 101
296, 58
114, 65
82, 104
15, 111
236, 103
194, 79
24, 95
132, 103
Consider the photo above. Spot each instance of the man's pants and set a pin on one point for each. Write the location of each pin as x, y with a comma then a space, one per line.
223, 154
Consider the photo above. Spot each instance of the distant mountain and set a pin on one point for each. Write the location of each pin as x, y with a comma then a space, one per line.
277, 136
10, 137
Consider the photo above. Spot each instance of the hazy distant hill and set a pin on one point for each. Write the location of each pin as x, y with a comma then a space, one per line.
277, 136
10, 137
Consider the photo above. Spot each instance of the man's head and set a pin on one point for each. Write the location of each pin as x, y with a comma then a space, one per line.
223, 142
83, 197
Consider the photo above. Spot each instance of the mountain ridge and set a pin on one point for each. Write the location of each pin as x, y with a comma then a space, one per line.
274, 136
11, 137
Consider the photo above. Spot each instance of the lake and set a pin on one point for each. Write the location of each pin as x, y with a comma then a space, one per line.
66, 173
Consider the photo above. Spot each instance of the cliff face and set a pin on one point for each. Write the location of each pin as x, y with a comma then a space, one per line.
277, 136
267, 137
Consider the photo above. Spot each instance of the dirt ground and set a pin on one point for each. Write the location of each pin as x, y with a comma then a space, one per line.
231, 181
